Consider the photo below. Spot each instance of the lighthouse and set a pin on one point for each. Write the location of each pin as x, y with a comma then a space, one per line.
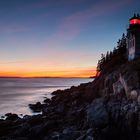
133, 37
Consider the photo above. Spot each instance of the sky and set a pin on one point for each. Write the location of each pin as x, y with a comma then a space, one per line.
63, 38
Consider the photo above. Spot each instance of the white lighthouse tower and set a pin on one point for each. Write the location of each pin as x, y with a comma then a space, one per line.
133, 37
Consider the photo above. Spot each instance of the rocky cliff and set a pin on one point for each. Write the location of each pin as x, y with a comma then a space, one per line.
106, 109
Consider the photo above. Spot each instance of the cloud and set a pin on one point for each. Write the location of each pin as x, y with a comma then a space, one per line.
72, 25
94, 11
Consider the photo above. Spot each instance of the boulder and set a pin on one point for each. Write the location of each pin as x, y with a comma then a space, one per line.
138, 99
97, 114
117, 88
22, 130
59, 108
134, 94
12, 117
47, 101
36, 107
37, 132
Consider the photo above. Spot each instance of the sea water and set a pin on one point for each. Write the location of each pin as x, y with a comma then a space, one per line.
17, 93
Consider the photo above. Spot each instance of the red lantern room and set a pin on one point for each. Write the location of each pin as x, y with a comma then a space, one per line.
135, 20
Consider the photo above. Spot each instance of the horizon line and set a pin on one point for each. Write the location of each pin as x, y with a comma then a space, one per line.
45, 77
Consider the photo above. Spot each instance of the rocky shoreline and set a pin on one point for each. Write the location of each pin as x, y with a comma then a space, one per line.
105, 109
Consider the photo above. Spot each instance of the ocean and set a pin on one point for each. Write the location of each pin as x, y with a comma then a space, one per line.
17, 93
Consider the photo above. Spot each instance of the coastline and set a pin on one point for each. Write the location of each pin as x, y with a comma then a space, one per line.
53, 111
99, 110
17, 93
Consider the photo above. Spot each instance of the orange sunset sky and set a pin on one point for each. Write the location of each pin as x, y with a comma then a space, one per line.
62, 38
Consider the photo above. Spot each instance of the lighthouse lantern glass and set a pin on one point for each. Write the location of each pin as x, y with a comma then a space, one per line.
135, 21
